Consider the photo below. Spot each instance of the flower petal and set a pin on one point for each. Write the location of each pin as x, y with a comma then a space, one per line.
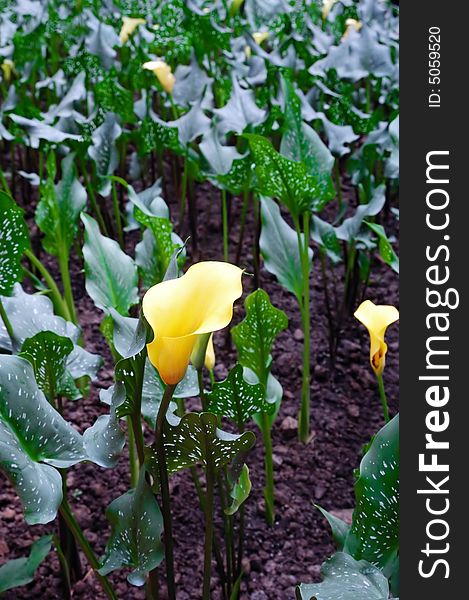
201, 301
377, 318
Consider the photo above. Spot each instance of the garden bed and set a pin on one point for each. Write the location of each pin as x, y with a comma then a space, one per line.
345, 415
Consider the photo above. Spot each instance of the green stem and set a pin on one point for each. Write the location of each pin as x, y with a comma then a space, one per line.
6, 322
382, 394
183, 198
153, 586
305, 410
81, 540
244, 210
224, 209
94, 203
133, 458
164, 485
67, 284
209, 473
60, 306
4, 183
200, 380
63, 566
338, 183
117, 215
269, 470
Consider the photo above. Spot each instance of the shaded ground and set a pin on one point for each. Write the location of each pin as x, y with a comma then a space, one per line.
345, 413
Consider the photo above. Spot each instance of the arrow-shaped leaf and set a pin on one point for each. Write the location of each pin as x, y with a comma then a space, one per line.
135, 541
254, 336
111, 275
14, 239
34, 438
236, 399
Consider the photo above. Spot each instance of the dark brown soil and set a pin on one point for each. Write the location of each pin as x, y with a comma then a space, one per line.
346, 412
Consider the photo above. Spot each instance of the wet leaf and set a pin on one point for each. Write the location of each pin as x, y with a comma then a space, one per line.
287, 180
111, 275
48, 353
386, 251
59, 208
240, 492
236, 399
346, 579
104, 440
136, 528
254, 336
21, 571
34, 438
279, 248
14, 239
103, 150
350, 228
31, 313
195, 439
374, 534
240, 111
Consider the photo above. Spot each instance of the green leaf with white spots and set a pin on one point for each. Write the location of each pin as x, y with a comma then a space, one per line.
21, 571
14, 239
59, 208
236, 399
240, 492
48, 353
287, 180
104, 440
273, 396
195, 439
111, 275
346, 579
279, 248
254, 336
374, 534
136, 528
302, 144
34, 438
386, 251
30, 314
153, 254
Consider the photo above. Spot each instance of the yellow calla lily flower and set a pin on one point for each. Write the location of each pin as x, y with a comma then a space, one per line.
377, 318
326, 7
129, 25
235, 6
8, 67
163, 72
259, 37
180, 310
351, 24
210, 355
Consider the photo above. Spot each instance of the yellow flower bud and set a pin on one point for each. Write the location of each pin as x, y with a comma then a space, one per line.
377, 318
129, 25
351, 24
235, 6
326, 7
163, 72
180, 310
259, 37
210, 355
8, 67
